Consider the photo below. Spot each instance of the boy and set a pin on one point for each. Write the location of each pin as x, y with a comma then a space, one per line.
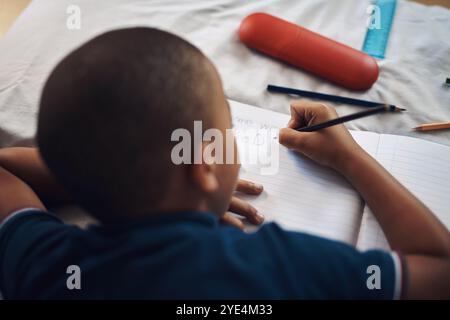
107, 113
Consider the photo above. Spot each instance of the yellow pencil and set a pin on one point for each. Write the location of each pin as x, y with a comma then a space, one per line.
433, 126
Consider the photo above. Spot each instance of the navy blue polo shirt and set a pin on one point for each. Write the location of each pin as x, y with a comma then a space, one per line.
185, 255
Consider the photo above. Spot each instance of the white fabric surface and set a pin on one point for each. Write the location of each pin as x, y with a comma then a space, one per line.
412, 75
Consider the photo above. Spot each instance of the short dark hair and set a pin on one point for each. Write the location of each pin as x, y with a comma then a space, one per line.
107, 112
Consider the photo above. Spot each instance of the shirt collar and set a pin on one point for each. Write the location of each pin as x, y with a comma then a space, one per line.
208, 219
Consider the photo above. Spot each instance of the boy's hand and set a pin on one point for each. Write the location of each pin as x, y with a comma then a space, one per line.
330, 147
243, 208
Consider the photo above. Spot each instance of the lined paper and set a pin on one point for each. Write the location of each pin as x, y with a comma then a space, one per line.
423, 168
304, 196
301, 195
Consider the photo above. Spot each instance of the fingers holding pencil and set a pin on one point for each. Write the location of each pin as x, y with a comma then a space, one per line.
305, 113
326, 146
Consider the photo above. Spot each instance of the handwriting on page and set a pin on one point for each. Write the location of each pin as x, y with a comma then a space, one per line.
258, 145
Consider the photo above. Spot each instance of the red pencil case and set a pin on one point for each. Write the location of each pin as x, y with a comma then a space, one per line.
308, 50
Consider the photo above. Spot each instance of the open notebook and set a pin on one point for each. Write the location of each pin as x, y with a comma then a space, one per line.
304, 196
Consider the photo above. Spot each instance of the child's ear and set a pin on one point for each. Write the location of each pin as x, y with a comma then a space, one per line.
204, 177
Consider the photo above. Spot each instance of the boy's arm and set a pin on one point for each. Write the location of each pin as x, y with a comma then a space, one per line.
27, 165
15, 195
409, 226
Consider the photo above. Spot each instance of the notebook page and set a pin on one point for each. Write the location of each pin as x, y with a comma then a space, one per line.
300, 195
422, 167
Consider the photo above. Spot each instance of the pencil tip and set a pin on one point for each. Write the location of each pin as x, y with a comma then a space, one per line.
391, 107
395, 108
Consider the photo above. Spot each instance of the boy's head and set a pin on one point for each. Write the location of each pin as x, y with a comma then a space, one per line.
107, 113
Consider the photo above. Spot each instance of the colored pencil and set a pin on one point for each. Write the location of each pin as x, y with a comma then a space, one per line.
433, 126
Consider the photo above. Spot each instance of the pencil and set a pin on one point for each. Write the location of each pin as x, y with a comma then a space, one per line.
433, 126
323, 96
350, 117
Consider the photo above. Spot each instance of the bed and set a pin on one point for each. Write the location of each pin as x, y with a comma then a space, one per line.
412, 75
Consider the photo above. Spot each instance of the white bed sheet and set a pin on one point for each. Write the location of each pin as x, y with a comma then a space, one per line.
412, 75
